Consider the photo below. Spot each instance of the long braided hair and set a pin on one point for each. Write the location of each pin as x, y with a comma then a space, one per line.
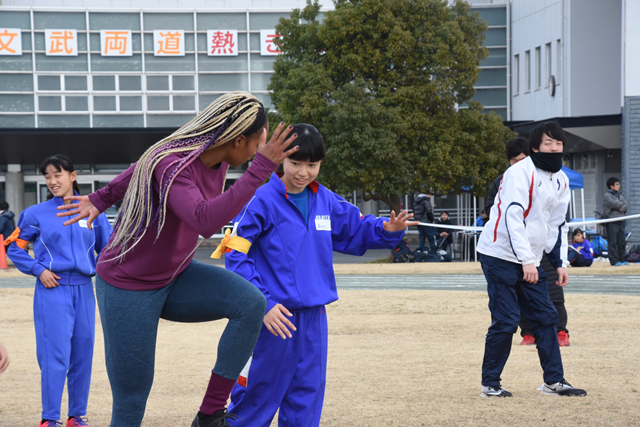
232, 115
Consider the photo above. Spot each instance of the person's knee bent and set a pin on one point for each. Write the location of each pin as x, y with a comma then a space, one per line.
505, 325
254, 305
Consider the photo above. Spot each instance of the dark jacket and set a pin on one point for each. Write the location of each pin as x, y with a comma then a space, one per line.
7, 224
446, 230
422, 209
555, 292
493, 192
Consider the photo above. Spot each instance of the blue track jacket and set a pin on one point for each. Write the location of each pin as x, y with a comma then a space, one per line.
68, 251
291, 261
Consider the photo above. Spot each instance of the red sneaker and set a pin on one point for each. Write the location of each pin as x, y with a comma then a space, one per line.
77, 422
528, 340
563, 339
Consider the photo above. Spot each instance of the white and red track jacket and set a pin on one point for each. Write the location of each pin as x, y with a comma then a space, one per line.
528, 217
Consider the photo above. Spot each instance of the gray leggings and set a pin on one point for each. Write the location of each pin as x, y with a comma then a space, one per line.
130, 319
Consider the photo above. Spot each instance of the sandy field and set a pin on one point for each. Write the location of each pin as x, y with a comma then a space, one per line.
396, 358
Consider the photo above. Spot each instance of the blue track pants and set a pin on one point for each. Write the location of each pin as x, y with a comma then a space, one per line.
508, 295
287, 374
65, 318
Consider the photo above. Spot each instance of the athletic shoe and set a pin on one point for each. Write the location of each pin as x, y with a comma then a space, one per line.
77, 422
562, 388
494, 391
50, 423
618, 264
528, 340
563, 339
219, 419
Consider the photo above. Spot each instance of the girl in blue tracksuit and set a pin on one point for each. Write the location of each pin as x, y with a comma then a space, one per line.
63, 303
283, 242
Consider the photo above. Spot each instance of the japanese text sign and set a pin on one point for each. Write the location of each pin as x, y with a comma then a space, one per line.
61, 42
168, 42
115, 43
222, 42
267, 47
10, 41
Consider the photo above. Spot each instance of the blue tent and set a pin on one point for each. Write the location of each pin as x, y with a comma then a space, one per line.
576, 180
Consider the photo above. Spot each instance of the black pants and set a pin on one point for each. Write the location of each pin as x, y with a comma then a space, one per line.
525, 328
578, 260
615, 235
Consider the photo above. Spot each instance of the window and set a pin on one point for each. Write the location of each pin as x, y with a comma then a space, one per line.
104, 83
48, 82
538, 69
547, 58
516, 74
527, 71
558, 61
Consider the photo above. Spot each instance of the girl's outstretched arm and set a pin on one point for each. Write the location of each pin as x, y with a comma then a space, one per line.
4, 358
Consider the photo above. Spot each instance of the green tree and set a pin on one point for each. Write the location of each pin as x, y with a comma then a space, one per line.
381, 79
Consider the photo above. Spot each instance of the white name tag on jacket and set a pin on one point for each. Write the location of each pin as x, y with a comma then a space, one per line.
323, 222
83, 223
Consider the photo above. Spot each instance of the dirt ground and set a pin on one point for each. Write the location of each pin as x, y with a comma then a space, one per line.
396, 358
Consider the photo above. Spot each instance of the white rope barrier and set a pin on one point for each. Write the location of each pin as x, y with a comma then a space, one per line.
570, 224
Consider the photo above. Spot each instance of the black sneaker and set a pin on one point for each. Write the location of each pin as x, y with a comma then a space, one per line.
494, 391
219, 419
562, 388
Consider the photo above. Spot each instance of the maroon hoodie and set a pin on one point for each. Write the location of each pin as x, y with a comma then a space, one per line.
196, 206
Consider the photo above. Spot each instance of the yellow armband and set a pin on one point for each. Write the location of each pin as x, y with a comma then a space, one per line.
230, 243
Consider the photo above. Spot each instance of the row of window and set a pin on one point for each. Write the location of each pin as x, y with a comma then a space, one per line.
116, 103
538, 69
111, 83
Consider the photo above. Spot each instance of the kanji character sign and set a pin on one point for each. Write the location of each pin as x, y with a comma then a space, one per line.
168, 42
222, 42
10, 41
267, 46
61, 42
115, 43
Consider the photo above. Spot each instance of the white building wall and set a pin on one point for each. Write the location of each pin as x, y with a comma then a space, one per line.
595, 38
534, 24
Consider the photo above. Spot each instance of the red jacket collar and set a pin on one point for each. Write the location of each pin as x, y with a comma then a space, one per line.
314, 185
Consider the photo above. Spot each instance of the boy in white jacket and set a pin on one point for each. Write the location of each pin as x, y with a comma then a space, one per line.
527, 220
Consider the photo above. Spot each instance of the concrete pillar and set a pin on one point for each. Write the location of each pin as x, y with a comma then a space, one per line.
630, 165
14, 185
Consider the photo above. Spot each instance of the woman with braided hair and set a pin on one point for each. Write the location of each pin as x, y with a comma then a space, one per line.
171, 196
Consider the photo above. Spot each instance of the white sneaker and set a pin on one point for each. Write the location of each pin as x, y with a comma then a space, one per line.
494, 391
562, 388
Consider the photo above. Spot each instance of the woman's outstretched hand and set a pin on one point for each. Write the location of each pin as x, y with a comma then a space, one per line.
274, 150
400, 222
83, 208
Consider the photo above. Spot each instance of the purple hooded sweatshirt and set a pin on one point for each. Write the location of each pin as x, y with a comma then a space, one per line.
196, 206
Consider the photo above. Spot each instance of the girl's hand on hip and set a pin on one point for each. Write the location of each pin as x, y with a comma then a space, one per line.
530, 273
277, 323
83, 207
400, 222
4, 358
274, 150
49, 279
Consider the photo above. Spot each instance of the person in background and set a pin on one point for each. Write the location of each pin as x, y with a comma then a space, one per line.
582, 253
615, 206
423, 212
7, 223
444, 235
482, 219
515, 150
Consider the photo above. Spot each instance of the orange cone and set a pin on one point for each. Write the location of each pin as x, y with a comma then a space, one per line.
3, 255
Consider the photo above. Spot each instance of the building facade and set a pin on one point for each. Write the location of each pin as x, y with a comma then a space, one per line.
102, 80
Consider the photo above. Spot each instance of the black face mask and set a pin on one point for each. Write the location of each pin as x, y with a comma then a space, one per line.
550, 162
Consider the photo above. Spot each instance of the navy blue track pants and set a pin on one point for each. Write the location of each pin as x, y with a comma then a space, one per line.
509, 294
